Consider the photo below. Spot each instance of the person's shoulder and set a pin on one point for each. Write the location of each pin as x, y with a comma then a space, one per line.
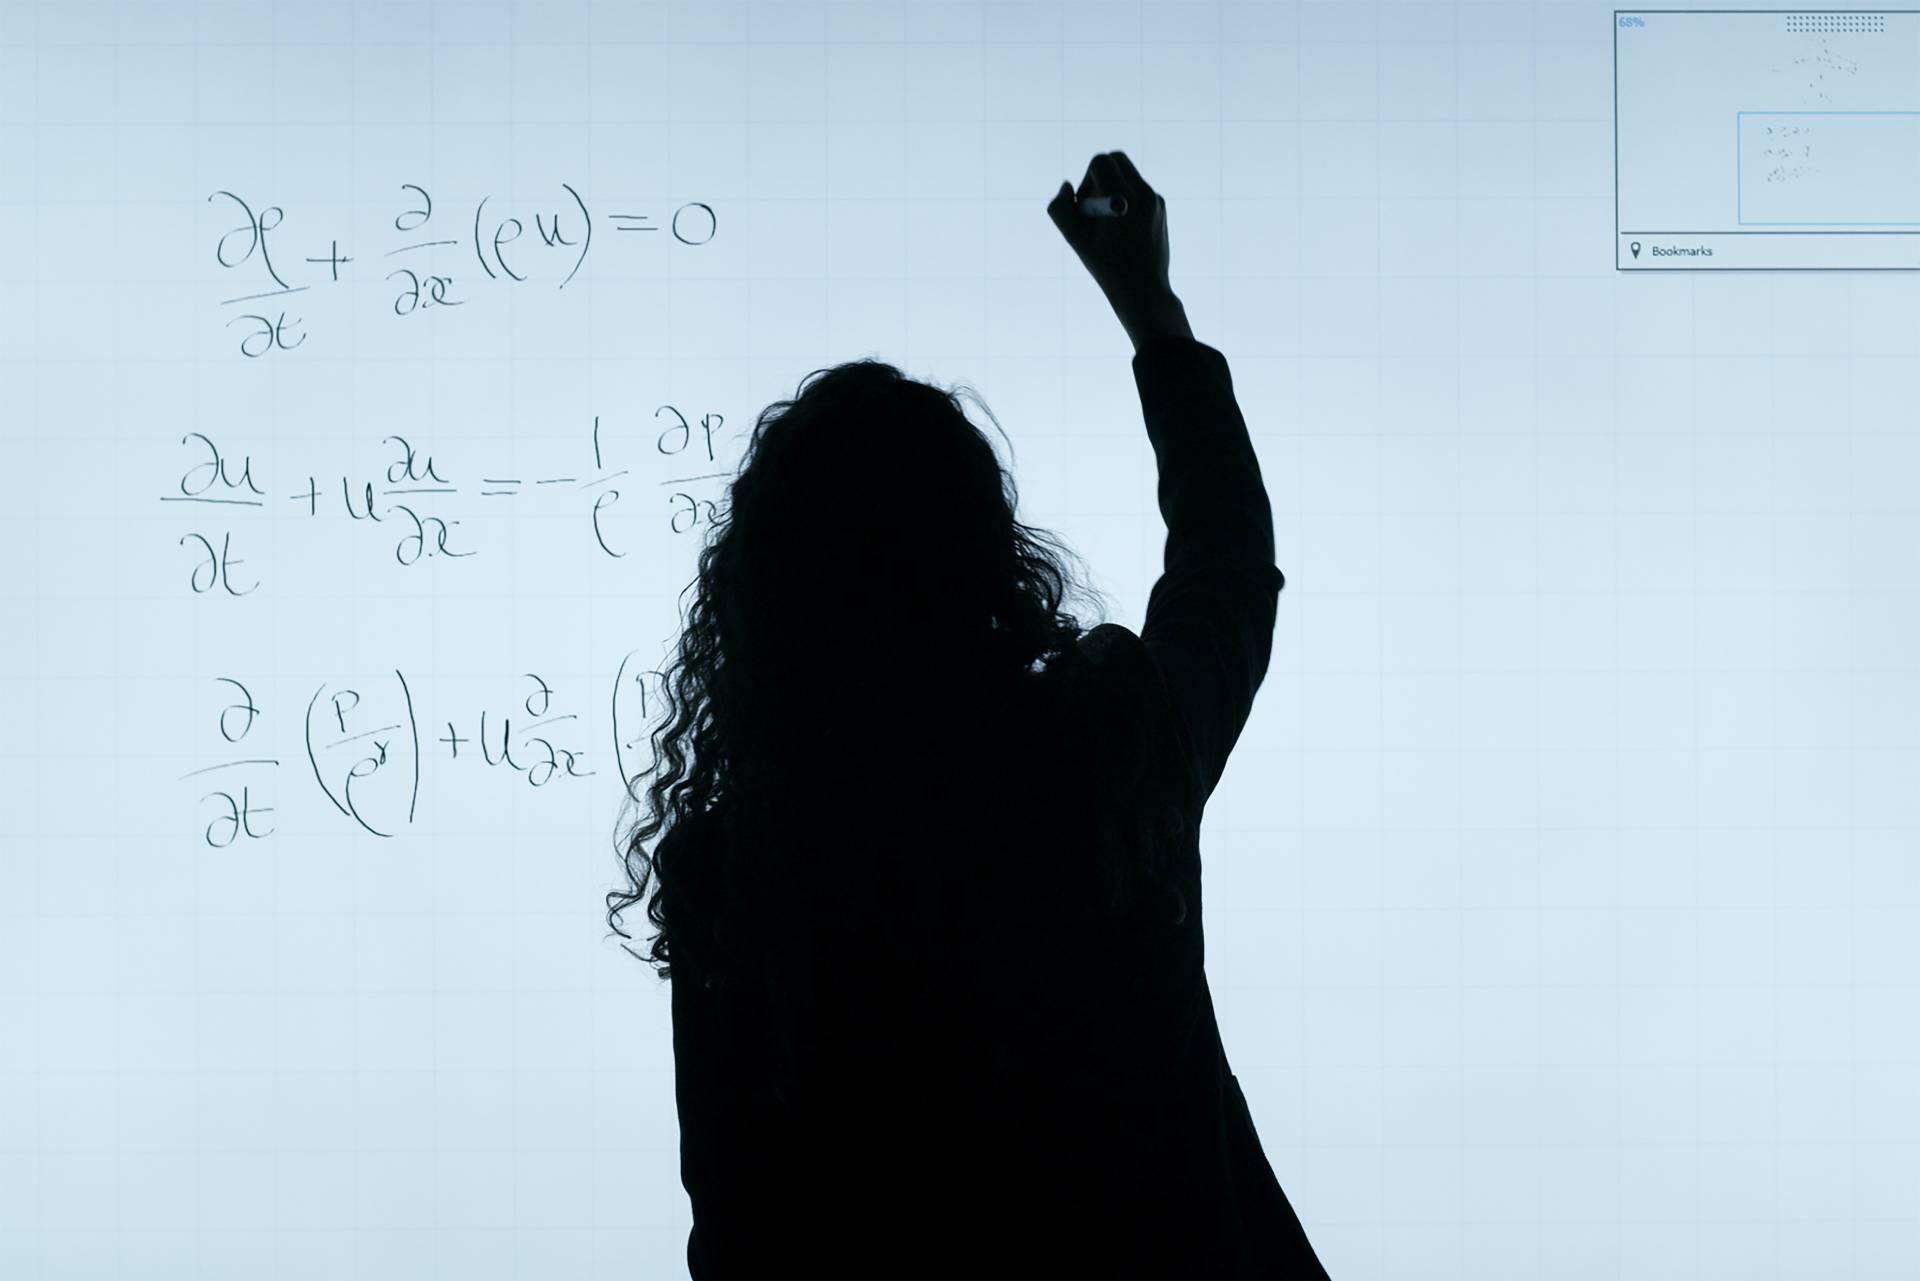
1119, 694
1109, 640
1113, 654
1127, 710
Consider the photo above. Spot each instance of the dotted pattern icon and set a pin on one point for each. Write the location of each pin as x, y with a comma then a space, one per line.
1864, 23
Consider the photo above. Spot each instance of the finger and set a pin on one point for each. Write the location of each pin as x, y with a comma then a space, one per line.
1128, 174
1091, 184
1061, 210
1112, 181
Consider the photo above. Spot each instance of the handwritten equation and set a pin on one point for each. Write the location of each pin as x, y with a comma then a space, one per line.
1821, 70
415, 495
364, 746
504, 253
1787, 152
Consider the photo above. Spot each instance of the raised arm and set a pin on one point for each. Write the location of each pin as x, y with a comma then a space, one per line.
1210, 616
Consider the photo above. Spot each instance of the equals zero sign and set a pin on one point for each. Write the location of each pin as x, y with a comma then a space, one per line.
627, 218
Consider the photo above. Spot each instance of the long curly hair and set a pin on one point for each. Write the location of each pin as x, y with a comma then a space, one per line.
868, 546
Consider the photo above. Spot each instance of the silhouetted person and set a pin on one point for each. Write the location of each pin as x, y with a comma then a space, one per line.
929, 882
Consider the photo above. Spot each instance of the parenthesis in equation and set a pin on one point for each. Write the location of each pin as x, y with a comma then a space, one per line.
586, 243
413, 728
619, 740
476, 238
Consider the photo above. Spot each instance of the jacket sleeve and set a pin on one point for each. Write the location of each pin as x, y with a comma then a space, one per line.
1210, 616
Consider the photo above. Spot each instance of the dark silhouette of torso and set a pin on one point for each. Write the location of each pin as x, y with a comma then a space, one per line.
954, 1059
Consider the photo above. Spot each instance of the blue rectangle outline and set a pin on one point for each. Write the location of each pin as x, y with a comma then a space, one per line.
1739, 184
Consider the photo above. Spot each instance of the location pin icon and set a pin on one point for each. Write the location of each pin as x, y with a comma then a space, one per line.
1635, 246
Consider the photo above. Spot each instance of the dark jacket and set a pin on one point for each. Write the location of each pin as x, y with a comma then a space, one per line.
994, 1078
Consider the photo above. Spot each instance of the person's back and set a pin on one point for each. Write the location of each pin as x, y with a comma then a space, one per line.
1046, 1095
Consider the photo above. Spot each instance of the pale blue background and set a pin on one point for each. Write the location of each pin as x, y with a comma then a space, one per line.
1562, 895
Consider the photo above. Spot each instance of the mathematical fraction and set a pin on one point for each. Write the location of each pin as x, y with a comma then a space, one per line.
417, 489
367, 748
500, 246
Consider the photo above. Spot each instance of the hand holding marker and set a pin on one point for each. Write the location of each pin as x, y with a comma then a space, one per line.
1117, 224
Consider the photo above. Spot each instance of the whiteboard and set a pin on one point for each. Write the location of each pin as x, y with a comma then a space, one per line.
1561, 894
